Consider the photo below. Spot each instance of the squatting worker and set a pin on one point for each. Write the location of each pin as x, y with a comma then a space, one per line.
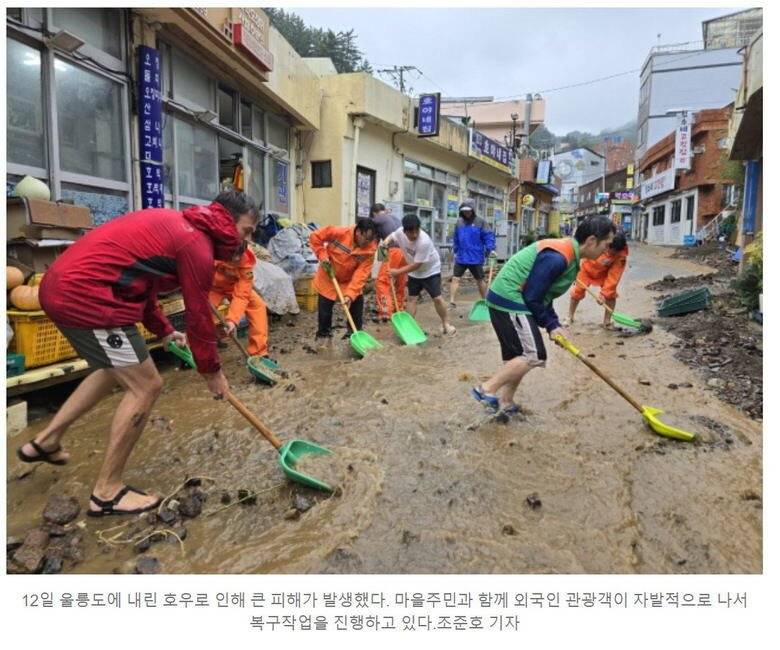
423, 265
346, 251
100, 288
604, 272
234, 281
520, 300
387, 223
472, 241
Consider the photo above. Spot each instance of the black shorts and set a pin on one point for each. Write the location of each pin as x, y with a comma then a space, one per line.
432, 284
113, 347
477, 272
519, 336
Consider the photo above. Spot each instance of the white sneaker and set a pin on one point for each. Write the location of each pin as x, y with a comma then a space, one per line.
449, 329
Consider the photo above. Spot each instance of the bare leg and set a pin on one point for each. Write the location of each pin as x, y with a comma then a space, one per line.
93, 388
607, 316
441, 309
511, 373
454, 284
413, 305
573, 304
143, 385
482, 285
506, 394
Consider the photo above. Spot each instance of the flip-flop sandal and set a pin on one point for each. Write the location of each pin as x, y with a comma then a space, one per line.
107, 508
43, 455
480, 396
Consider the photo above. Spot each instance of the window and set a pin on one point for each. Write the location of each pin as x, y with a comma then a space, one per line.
425, 170
409, 190
100, 28
197, 164
423, 193
90, 122
226, 102
689, 205
191, 86
676, 210
410, 165
104, 205
659, 215
321, 173
24, 105
278, 133
254, 176
246, 120
258, 127
280, 192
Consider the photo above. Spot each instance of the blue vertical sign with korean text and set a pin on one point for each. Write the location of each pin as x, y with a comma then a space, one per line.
428, 115
150, 127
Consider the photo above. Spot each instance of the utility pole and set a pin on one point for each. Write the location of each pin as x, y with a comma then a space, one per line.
397, 71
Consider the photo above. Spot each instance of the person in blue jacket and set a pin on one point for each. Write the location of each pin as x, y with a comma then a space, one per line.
473, 239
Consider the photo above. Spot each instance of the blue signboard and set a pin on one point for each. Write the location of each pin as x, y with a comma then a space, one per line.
485, 148
428, 115
150, 127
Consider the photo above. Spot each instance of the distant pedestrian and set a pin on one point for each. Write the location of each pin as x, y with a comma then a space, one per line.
472, 241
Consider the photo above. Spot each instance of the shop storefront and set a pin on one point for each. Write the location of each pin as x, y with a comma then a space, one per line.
433, 195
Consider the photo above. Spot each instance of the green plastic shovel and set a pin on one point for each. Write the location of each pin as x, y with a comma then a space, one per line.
259, 367
360, 341
183, 352
290, 452
620, 319
407, 329
649, 413
479, 310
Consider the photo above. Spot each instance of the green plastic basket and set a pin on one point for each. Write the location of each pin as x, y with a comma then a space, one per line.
685, 302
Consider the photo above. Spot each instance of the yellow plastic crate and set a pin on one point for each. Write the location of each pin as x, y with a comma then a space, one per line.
307, 303
39, 340
304, 287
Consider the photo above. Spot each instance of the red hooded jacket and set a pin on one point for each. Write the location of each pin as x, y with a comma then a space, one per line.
111, 276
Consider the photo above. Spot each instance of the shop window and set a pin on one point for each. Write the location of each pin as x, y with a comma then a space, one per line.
26, 139
423, 193
196, 161
100, 28
425, 170
411, 166
689, 205
258, 127
321, 174
676, 211
280, 190
278, 133
230, 165
409, 190
168, 163
440, 200
440, 176
453, 181
254, 175
104, 205
659, 215
190, 85
16, 14
226, 103
246, 120
90, 123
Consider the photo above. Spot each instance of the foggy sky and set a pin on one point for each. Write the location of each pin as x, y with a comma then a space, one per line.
508, 52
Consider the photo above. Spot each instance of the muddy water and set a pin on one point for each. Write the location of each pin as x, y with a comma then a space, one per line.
434, 485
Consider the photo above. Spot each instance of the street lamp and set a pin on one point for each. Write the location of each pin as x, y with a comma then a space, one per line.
511, 140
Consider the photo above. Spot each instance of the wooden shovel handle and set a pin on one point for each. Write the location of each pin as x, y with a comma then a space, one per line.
392, 289
253, 420
343, 304
566, 344
593, 295
491, 266
232, 334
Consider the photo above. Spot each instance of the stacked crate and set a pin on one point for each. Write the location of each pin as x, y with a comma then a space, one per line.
305, 293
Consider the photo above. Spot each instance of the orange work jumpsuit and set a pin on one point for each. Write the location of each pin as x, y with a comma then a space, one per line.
351, 265
383, 288
605, 272
234, 280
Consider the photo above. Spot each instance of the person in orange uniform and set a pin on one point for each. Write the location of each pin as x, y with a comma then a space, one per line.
347, 251
383, 286
604, 272
234, 280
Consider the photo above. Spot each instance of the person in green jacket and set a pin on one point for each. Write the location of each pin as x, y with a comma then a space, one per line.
520, 301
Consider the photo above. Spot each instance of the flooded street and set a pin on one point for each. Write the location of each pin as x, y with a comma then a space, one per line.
429, 484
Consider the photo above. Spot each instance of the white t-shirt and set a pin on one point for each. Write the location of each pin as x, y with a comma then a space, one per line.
422, 250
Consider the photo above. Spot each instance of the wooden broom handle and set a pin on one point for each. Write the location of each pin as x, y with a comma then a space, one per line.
491, 266
392, 288
253, 420
232, 334
343, 304
593, 295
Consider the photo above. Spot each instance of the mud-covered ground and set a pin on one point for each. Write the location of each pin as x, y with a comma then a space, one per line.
429, 484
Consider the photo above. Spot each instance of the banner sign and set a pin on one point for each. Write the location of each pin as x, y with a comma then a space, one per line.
543, 172
150, 129
658, 184
490, 152
682, 141
428, 115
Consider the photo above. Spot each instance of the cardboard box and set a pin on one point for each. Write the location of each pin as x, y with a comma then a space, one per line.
36, 219
34, 254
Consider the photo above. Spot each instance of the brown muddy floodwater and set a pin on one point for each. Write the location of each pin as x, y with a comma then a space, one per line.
428, 483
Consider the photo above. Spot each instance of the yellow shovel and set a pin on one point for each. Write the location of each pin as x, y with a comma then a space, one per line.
649, 413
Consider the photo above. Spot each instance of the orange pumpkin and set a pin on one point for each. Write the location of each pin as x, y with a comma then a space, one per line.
25, 298
13, 277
